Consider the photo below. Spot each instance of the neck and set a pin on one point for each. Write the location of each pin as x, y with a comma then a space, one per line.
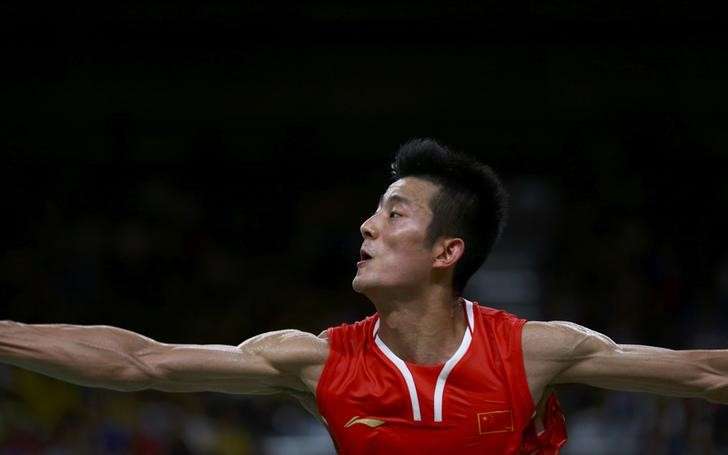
426, 328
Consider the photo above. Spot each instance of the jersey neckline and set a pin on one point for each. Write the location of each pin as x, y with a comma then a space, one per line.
445, 370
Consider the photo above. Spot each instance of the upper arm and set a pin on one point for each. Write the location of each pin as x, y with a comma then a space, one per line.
563, 352
266, 363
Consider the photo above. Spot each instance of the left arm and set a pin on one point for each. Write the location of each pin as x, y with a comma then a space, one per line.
562, 352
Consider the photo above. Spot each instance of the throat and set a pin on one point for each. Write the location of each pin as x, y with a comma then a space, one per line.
425, 341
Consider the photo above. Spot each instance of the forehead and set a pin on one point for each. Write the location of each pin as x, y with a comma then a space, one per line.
418, 191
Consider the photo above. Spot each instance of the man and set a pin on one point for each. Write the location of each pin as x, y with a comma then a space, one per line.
430, 372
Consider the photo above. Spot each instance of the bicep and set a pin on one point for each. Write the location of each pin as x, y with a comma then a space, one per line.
267, 363
551, 349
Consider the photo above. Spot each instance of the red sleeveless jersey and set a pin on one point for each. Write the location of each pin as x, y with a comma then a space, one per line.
477, 402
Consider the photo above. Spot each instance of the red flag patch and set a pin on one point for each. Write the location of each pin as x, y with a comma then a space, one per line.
495, 422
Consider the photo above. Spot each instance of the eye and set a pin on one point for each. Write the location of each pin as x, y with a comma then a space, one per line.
394, 214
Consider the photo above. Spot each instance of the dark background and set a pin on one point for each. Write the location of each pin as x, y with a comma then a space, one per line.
198, 173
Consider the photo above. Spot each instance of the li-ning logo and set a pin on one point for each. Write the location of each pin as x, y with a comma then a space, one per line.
371, 423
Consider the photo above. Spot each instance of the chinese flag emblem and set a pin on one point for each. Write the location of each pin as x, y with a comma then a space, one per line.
495, 422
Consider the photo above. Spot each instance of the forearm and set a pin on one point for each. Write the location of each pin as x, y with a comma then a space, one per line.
96, 356
686, 373
679, 373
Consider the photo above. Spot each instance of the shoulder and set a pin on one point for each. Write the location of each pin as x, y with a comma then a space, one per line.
350, 335
357, 326
561, 340
495, 314
288, 348
500, 330
501, 323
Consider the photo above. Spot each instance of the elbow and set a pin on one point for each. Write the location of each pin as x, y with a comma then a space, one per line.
133, 373
118, 379
152, 369
129, 379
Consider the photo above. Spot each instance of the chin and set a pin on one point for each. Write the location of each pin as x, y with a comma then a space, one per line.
361, 285
357, 285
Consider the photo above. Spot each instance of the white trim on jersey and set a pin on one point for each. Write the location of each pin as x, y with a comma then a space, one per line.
451, 362
469, 312
444, 373
406, 374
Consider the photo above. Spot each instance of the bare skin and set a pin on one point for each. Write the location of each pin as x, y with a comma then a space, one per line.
113, 358
408, 281
421, 321
562, 352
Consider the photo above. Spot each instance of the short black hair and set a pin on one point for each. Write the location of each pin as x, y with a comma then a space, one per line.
471, 204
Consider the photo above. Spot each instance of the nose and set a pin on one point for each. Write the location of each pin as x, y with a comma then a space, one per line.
368, 229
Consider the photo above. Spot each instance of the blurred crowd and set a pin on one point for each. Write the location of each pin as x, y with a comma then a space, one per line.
194, 255
198, 174
41, 415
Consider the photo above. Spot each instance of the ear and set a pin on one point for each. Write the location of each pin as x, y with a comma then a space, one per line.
447, 252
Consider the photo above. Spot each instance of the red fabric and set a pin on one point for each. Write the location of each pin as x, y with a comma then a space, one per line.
553, 435
487, 407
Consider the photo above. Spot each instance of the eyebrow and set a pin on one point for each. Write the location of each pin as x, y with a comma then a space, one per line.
395, 198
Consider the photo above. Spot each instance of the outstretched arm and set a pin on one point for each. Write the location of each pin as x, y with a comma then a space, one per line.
114, 358
563, 352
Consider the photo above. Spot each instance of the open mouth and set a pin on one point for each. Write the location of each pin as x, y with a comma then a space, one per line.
364, 256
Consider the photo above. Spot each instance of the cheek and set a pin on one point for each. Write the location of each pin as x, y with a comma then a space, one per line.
406, 243
411, 255
407, 237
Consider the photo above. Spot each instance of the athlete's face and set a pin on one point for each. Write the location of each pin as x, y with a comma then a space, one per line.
395, 252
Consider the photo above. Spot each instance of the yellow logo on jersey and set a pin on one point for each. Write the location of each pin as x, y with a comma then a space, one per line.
371, 423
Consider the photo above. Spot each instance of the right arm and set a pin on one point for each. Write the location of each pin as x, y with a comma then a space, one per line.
114, 358
560, 352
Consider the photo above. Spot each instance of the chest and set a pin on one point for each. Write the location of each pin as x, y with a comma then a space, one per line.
378, 405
